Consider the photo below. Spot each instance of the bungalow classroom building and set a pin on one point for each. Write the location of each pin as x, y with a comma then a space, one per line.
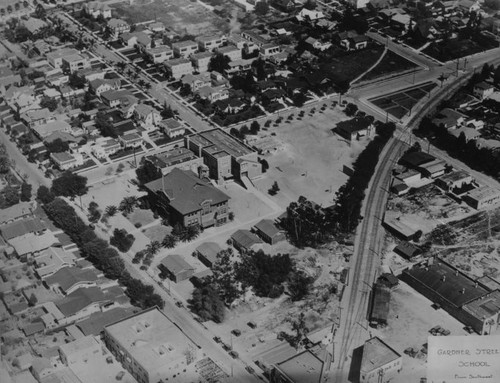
470, 301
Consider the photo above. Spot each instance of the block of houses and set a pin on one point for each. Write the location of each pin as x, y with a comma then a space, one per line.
188, 199
196, 81
207, 253
151, 347
225, 156
176, 268
481, 197
131, 140
449, 118
96, 8
104, 147
184, 49
100, 86
244, 240
179, 67
380, 363
200, 61
69, 279
172, 128
454, 180
66, 160
269, 232
181, 158
209, 43
147, 116
118, 26
160, 54
354, 129
483, 90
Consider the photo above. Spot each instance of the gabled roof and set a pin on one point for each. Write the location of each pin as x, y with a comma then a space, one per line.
175, 264
67, 277
21, 227
185, 191
245, 238
267, 227
80, 299
95, 324
209, 250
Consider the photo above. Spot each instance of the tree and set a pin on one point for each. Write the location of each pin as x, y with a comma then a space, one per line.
128, 204
185, 90
26, 192
105, 126
299, 326
223, 278
219, 62
9, 196
310, 4
76, 81
169, 241
122, 240
4, 164
44, 195
261, 8
94, 213
50, 103
254, 127
496, 75
153, 248
207, 304
167, 112
57, 146
69, 185
492, 4
299, 285
32, 300
265, 165
111, 210
350, 110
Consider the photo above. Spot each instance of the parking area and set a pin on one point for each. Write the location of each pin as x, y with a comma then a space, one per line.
400, 103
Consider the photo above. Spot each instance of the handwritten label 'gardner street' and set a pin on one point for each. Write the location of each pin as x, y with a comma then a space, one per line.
470, 359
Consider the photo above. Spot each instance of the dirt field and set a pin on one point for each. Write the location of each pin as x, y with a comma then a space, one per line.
183, 17
311, 159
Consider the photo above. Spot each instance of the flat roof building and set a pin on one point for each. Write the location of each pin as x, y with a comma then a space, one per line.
181, 158
152, 348
482, 196
380, 363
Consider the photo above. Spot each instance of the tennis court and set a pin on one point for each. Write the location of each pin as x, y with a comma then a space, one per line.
399, 103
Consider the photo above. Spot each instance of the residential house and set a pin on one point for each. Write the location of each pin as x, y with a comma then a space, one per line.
354, 129
158, 55
132, 39
56, 58
21, 99
66, 160
201, 60
74, 63
100, 86
213, 94
242, 43
96, 8
45, 130
318, 44
118, 26
208, 252
230, 51
483, 90
172, 128
157, 26
114, 98
209, 43
31, 243
184, 49
146, 115
131, 140
37, 117
245, 240
69, 279
196, 81
351, 40
380, 363
177, 68
188, 199
52, 260
225, 156
307, 15
269, 232
449, 118
34, 25
41, 368
269, 49
104, 147
22, 227
176, 268
239, 67
16, 212
254, 38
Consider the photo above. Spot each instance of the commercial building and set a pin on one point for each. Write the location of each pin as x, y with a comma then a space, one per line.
380, 363
433, 169
454, 180
181, 158
400, 228
152, 348
354, 129
482, 197
225, 156
188, 199
176, 268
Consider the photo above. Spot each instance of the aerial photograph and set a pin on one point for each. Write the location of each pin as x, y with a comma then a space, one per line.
280, 191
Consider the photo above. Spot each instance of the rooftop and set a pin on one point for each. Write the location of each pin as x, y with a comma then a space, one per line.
17, 211
483, 192
96, 323
416, 158
175, 264
153, 341
31, 243
182, 44
218, 141
303, 367
209, 250
68, 277
245, 238
446, 282
485, 306
21, 227
185, 191
83, 297
376, 353
51, 259
172, 157
454, 176
353, 125
267, 227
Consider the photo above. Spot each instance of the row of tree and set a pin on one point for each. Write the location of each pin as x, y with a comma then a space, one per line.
100, 253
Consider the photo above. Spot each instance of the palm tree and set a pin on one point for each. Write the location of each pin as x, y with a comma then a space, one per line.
121, 65
141, 83
128, 204
111, 210
153, 248
169, 241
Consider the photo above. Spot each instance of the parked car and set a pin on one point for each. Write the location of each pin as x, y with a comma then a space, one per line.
236, 332
217, 339
234, 354
435, 330
252, 324
120, 375
249, 369
179, 304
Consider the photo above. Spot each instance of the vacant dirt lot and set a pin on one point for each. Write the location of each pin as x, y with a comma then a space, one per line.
311, 160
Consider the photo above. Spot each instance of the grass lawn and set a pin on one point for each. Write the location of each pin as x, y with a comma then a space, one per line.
390, 63
344, 67
141, 216
157, 232
456, 48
